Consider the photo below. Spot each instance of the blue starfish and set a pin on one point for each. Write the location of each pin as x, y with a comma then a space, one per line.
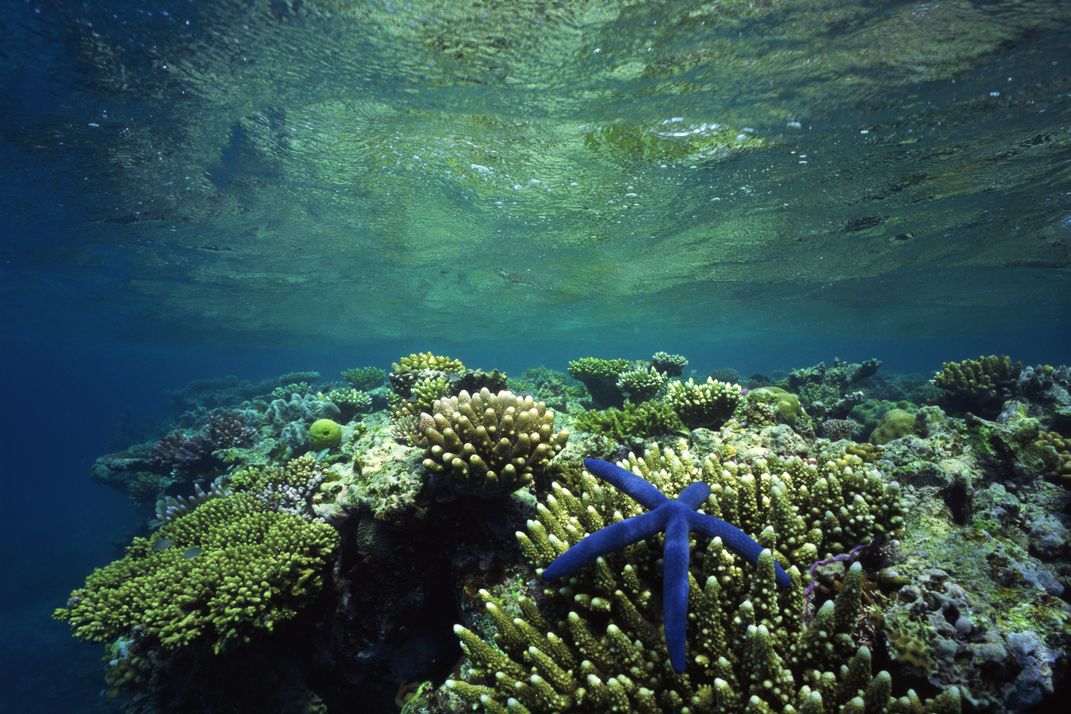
677, 517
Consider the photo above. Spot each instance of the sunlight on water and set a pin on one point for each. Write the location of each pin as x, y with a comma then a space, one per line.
392, 163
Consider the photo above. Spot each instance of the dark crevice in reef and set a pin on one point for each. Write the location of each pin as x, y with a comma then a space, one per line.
958, 500
398, 589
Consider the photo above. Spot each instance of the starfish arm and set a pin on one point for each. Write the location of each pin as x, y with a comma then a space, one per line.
735, 540
627, 482
605, 540
675, 591
694, 495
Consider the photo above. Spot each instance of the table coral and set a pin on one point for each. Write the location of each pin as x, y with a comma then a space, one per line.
669, 364
349, 401
600, 377
365, 378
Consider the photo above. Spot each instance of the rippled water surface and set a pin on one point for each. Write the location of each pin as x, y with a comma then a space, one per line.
333, 171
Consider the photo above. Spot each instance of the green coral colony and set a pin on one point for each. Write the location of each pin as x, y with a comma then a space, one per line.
383, 503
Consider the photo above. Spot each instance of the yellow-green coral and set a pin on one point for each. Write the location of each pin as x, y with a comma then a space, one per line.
257, 479
894, 424
703, 405
978, 384
640, 383
490, 443
1056, 450
325, 434
221, 573
767, 406
421, 361
596, 644
422, 395
365, 378
600, 375
349, 400
632, 422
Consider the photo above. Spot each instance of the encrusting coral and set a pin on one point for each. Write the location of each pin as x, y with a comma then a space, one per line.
594, 643
703, 405
490, 443
222, 572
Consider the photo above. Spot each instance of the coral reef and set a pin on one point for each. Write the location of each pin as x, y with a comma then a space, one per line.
978, 385
893, 424
473, 380
640, 383
600, 375
830, 392
767, 406
413, 368
365, 379
594, 643
632, 424
222, 572
1057, 455
669, 364
490, 444
169, 508
837, 429
556, 389
704, 405
927, 568
290, 418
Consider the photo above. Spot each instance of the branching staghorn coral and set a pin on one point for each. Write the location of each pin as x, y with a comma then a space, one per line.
704, 405
595, 643
490, 443
220, 573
